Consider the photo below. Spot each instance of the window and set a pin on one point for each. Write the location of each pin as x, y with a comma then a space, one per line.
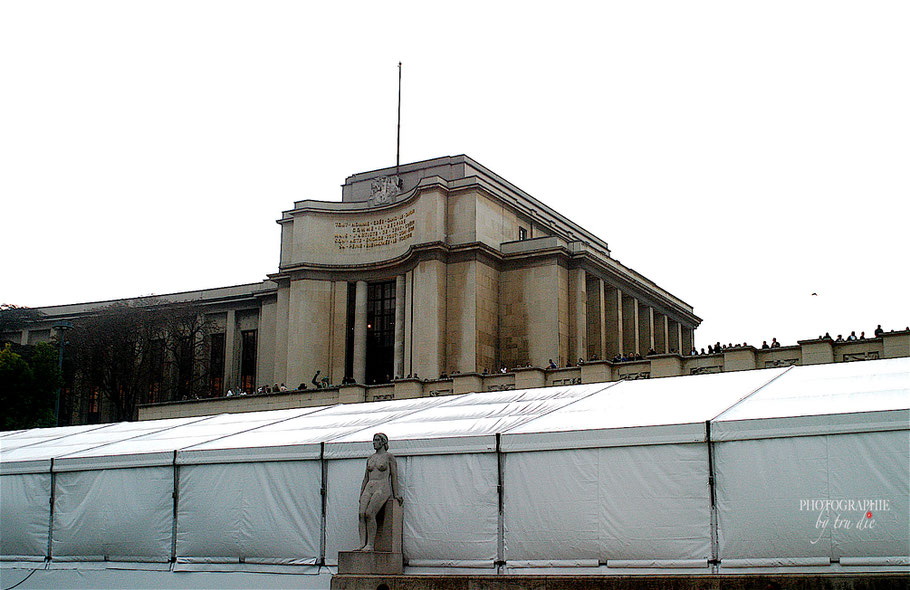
522, 233
248, 360
349, 336
380, 332
93, 409
156, 372
185, 367
216, 365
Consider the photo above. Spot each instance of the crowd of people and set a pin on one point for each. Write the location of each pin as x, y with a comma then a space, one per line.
717, 348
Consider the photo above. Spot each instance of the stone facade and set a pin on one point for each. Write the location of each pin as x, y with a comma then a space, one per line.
745, 358
435, 267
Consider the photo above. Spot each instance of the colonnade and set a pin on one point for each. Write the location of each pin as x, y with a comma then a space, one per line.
620, 323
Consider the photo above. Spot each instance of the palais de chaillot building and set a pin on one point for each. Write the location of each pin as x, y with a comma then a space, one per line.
423, 270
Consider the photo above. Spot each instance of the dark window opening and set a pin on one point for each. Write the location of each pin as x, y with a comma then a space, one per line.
93, 409
185, 368
155, 392
216, 365
248, 360
349, 335
522, 233
380, 332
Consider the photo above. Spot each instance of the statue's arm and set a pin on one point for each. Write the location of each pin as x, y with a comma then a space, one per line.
393, 473
366, 478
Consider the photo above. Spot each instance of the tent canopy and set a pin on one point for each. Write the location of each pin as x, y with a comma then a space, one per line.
872, 395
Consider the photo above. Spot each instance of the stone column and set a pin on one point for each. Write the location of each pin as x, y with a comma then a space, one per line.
282, 323
429, 305
613, 326
663, 334
596, 318
578, 322
629, 310
231, 374
338, 332
688, 340
399, 326
649, 333
23, 339
360, 332
674, 336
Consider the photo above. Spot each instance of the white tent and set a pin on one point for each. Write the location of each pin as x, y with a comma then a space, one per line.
815, 469
676, 474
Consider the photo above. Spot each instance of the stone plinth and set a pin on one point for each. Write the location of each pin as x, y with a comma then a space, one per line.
529, 377
371, 563
386, 559
408, 388
352, 394
817, 352
389, 527
596, 372
467, 383
666, 365
841, 581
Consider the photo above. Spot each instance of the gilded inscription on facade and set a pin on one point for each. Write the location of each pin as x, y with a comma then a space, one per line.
375, 233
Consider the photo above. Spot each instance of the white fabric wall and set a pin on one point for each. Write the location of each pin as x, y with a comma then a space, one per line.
762, 486
24, 514
124, 514
450, 507
270, 512
617, 503
342, 503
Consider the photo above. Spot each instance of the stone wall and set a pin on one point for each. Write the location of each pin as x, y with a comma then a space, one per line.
889, 345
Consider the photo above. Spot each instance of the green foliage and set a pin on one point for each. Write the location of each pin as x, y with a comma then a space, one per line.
28, 386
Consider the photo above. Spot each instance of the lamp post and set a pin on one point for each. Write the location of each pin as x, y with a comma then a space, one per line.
61, 326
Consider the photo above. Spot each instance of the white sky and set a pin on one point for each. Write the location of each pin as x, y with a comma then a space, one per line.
741, 155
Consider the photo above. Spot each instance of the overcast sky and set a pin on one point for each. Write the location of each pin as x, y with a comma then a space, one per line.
741, 155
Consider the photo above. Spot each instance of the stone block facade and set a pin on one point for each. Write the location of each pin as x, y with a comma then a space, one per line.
425, 270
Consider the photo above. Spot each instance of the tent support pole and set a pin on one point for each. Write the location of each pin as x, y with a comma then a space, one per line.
714, 561
175, 495
50, 516
324, 495
500, 520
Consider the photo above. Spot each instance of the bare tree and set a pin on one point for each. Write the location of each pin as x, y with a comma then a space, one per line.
132, 353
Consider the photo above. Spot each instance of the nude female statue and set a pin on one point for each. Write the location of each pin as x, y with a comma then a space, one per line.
380, 482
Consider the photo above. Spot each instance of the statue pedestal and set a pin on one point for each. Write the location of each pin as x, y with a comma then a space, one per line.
386, 558
381, 563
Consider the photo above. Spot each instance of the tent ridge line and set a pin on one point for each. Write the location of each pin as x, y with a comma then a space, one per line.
217, 438
113, 442
411, 413
520, 423
56, 438
751, 393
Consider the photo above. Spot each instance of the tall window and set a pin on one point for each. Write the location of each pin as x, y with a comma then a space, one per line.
349, 335
248, 360
93, 409
216, 365
522, 233
185, 367
156, 372
380, 332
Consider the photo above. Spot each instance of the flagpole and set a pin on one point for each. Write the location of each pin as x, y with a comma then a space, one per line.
398, 139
